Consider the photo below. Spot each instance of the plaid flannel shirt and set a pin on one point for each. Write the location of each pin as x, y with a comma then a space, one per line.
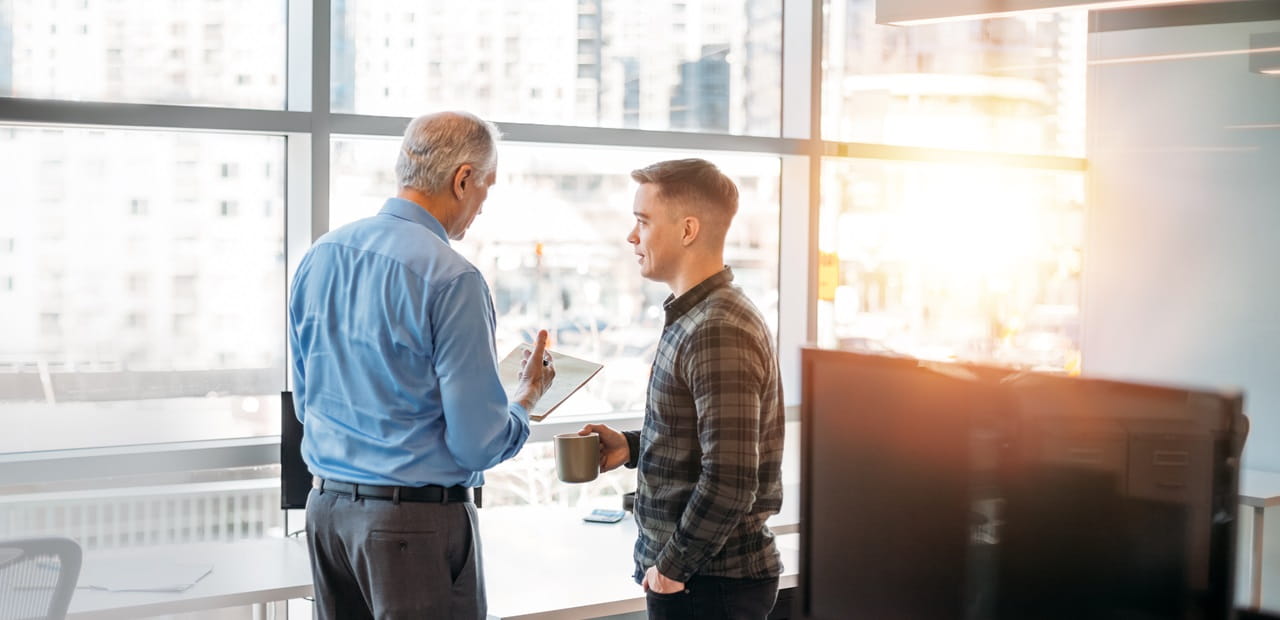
709, 456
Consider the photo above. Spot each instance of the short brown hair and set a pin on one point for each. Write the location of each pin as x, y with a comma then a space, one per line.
697, 183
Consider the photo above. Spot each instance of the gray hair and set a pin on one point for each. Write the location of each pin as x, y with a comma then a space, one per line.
436, 145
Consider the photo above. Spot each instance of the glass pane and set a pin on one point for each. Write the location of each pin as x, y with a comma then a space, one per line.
953, 262
551, 242
711, 66
197, 52
160, 508
141, 287
1012, 84
1184, 209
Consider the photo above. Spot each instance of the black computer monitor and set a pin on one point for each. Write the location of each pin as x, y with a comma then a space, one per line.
295, 479
967, 492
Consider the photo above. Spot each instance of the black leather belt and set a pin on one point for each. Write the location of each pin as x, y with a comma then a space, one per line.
431, 493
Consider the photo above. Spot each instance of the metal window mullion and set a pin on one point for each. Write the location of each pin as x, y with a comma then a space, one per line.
47, 112
815, 41
359, 125
299, 228
893, 152
320, 116
797, 212
36, 468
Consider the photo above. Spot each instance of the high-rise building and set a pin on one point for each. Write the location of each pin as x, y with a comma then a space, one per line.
701, 98
589, 58
342, 59
630, 91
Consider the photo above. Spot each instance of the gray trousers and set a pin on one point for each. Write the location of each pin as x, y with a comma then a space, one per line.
373, 558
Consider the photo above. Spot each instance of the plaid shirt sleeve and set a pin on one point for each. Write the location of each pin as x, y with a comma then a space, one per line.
723, 367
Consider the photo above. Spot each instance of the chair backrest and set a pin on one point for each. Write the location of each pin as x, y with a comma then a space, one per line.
295, 478
37, 577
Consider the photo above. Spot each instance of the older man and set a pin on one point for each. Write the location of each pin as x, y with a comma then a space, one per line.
396, 384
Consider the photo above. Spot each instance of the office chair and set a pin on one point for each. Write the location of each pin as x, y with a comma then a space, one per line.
37, 577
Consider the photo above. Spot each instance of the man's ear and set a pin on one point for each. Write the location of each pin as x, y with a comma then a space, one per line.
462, 179
689, 230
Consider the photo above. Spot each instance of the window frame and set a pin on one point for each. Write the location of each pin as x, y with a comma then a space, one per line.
308, 125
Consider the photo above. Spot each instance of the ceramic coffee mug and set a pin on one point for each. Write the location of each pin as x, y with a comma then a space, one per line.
577, 457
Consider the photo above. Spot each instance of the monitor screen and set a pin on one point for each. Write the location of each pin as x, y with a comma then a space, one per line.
934, 490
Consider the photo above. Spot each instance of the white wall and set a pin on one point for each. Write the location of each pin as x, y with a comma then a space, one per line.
1182, 273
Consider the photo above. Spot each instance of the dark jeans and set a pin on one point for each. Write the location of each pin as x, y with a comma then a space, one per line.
373, 558
716, 598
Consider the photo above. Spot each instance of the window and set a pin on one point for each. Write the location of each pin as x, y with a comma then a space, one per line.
119, 61
149, 508
94, 272
949, 261
1012, 84
969, 245
150, 310
551, 243
706, 80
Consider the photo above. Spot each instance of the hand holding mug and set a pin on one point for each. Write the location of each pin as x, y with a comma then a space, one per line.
614, 450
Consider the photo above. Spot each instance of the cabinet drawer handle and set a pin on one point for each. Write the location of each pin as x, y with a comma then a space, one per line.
1170, 457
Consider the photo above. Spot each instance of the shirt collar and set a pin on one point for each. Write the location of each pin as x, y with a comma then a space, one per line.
413, 212
676, 307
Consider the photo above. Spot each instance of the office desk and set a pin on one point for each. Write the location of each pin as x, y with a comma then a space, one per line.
540, 562
1260, 490
247, 572
546, 562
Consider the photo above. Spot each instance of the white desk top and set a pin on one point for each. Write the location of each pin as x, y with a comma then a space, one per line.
244, 572
546, 562
787, 521
1259, 488
526, 550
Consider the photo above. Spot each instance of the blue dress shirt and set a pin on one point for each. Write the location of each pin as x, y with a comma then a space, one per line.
395, 375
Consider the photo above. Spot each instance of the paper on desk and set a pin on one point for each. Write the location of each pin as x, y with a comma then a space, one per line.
142, 576
571, 374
